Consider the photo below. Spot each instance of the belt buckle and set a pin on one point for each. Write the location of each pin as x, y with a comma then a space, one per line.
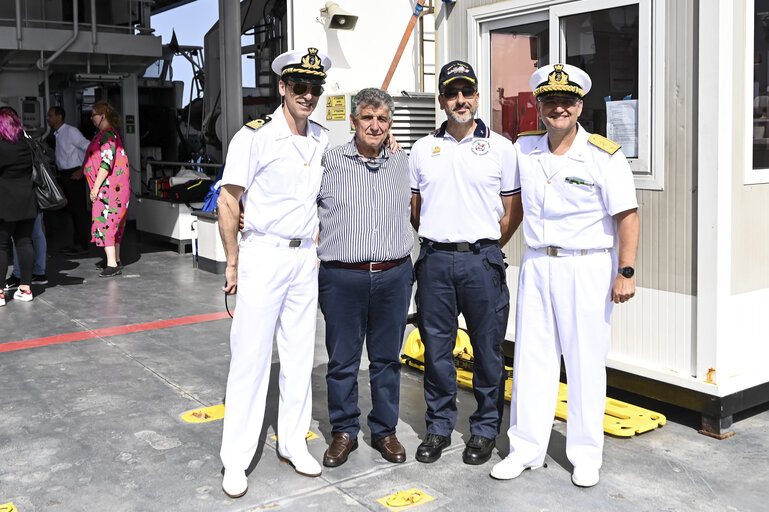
371, 266
295, 242
551, 250
463, 246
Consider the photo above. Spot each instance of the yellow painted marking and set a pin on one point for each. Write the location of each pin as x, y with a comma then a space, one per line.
309, 437
620, 418
215, 412
8, 507
403, 500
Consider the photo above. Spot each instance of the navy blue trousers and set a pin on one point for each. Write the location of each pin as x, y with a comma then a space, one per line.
474, 284
358, 305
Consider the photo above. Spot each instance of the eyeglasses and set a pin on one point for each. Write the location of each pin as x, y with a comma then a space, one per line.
452, 92
301, 89
372, 164
558, 101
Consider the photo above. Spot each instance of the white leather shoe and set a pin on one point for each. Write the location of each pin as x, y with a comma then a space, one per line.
509, 468
584, 477
304, 464
234, 483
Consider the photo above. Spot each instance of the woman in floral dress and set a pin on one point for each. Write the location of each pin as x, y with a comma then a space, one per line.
106, 169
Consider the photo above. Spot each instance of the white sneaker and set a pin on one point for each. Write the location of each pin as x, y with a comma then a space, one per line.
23, 295
509, 468
2, 299
234, 483
304, 464
584, 477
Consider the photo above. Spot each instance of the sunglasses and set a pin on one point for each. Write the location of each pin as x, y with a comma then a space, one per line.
452, 92
300, 89
372, 164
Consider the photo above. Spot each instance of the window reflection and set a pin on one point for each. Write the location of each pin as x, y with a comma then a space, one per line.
516, 52
761, 86
605, 44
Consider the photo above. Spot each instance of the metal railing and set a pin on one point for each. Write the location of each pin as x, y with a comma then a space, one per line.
136, 15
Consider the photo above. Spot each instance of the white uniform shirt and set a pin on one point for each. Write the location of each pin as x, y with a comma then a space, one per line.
460, 184
570, 201
70, 147
281, 175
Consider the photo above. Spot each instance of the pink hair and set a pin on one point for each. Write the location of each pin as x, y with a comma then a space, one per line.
10, 125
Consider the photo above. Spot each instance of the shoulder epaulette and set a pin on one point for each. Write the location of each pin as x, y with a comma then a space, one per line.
313, 122
532, 132
258, 123
602, 142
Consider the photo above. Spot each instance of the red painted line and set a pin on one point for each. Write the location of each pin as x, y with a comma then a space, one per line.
110, 331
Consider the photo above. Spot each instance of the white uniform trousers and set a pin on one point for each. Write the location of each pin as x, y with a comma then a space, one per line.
563, 308
277, 298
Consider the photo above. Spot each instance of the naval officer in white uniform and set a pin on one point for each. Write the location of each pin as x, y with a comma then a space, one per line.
274, 168
579, 205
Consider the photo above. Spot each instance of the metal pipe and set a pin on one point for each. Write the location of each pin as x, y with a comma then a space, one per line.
93, 22
43, 65
19, 35
46, 99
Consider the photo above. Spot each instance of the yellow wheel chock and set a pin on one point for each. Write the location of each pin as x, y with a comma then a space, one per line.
620, 419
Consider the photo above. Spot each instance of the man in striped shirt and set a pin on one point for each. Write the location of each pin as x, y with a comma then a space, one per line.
466, 206
365, 275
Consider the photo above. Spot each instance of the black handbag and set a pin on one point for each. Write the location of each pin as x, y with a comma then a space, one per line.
47, 190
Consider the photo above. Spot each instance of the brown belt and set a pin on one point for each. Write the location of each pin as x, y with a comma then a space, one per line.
371, 266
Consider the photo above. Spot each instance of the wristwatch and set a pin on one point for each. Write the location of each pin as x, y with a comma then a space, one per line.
626, 271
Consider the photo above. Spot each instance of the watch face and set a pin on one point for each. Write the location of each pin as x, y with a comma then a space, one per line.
627, 271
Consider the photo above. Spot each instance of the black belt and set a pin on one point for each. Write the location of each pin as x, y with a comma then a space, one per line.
371, 266
460, 246
68, 172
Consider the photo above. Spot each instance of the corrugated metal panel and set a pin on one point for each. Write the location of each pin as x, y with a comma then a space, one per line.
750, 203
414, 118
657, 328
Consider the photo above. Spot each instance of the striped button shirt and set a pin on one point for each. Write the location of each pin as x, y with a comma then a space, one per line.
364, 214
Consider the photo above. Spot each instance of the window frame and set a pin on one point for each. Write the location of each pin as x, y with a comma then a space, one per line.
751, 176
648, 168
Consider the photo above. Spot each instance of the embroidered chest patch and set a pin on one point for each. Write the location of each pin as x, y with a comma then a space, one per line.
480, 147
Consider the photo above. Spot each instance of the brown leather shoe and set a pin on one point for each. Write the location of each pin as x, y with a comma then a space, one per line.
390, 448
340, 448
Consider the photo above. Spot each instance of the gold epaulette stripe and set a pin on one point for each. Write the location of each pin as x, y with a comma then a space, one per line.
258, 123
603, 143
532, 132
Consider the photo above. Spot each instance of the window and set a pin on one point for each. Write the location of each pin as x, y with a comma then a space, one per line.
759, 173
610, 39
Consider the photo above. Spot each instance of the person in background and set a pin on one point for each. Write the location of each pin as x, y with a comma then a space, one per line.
18, 204
579, 203
106, 170
365, 275
70, 154
40, 249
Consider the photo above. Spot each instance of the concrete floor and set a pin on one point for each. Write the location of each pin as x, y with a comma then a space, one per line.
96, 424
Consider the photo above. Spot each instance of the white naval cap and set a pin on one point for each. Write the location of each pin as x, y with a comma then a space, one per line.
560, 79
310, 64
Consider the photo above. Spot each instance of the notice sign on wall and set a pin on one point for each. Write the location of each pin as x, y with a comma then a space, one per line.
336, 108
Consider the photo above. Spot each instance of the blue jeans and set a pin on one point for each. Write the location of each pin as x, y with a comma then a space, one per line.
40, 247
359, 304
471, 283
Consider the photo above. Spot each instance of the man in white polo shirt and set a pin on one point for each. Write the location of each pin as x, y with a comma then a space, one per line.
274, 168
579, 203
465, 207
